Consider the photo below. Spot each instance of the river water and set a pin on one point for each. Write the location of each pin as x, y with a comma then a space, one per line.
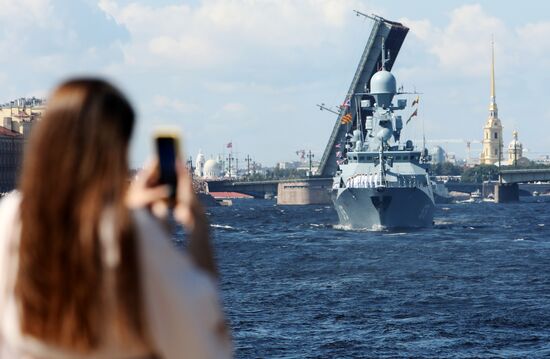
296, 286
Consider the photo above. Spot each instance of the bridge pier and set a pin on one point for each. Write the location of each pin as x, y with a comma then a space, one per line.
308, 191
506, 192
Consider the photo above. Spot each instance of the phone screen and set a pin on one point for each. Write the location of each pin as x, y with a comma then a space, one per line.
167, 154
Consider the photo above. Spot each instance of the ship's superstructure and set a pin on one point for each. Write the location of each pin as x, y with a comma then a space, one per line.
381, 182
393, 35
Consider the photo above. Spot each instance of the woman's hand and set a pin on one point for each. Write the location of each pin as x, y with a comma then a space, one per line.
143, 193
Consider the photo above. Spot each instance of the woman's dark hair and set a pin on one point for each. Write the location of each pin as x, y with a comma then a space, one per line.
75, 171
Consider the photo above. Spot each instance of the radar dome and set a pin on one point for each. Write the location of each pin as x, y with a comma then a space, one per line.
383, 88
212, 169
383, 82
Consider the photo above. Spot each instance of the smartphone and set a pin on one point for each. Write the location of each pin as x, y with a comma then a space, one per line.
168, 146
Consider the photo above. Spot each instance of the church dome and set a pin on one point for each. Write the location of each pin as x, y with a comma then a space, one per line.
212, 169
515, 150
515, 143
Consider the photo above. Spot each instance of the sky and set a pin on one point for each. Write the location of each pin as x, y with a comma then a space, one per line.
251, 72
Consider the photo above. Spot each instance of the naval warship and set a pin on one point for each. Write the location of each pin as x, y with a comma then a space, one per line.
381, 182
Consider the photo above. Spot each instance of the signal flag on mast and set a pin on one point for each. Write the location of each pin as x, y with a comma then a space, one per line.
415, 113
347, 118
347, 103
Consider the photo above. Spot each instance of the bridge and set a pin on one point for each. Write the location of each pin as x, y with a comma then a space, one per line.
525, 175
257, 189
507, 190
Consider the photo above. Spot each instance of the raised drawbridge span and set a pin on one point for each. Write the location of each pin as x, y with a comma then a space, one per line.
393, 34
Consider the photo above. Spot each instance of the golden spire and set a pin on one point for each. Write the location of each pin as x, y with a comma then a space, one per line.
492, 68
493, 104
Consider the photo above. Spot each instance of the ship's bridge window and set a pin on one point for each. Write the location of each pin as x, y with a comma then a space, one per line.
369, 158
398, 158
361, 158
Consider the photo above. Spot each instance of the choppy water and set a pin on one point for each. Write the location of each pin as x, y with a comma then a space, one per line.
476, 285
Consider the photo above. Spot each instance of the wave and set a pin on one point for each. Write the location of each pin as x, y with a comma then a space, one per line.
342, 227
320, 225
222, 226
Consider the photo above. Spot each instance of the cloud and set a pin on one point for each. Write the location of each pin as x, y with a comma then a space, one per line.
44, 41
534, 42
463, 45
25, 13
227, 33
234, 107
175, 105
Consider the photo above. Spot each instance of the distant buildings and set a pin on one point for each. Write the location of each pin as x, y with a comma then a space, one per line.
17, 119
20, 115
438, 155
199, 164
11, 152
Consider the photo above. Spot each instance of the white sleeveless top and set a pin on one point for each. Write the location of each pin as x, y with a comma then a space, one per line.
181, 306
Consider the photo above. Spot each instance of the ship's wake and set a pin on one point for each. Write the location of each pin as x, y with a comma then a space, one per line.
347, 227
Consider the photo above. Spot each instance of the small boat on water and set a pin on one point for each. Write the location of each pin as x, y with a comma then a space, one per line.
476, 196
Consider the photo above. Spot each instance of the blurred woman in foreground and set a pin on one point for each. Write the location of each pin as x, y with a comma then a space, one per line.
86, 271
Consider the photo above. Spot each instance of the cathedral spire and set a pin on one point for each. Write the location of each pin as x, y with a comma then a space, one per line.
493, 105
492, 69
492, 131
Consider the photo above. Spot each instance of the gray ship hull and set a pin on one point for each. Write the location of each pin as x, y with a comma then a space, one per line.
376, 208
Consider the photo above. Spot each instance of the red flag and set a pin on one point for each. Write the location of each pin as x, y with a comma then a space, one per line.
229, 145
415, 113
